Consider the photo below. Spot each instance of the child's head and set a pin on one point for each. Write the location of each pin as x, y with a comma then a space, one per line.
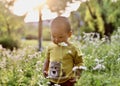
60, 30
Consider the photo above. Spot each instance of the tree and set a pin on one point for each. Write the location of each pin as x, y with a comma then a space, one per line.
76, 22
5, 19
54, 5
58, 5
101, 16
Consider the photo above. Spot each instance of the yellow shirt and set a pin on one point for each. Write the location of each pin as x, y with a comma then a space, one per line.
62, 60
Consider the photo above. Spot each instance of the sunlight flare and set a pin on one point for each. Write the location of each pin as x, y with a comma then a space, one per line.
30, 8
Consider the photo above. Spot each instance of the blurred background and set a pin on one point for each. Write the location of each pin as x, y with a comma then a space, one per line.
27, 22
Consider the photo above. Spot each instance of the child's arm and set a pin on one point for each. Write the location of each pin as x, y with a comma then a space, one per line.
77, 76
46, 62
78, 73
78, 61
45, 67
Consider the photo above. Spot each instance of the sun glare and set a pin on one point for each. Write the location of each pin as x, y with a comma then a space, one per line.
32, 16
21, 7
30, 8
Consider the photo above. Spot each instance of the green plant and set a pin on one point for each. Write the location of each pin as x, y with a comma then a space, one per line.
23, 66
9, 42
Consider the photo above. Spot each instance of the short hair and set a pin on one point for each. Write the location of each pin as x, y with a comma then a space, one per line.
61, 21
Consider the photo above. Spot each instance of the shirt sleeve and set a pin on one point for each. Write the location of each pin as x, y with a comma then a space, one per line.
47, 53
78, 58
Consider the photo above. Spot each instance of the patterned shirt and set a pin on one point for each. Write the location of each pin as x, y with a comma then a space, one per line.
62, 60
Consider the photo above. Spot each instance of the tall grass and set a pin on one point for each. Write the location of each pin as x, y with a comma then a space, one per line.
23, 67
102, 59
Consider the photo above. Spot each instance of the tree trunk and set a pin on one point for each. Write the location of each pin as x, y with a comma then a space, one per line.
8, 29
40, 31
109, 28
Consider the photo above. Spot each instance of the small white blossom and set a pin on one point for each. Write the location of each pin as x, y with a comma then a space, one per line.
1, 47
38, 62
69, 51
99, 66
49, 77
63, 44
20, 70
3, 63
48, 83
98, 61
83, 67
118, 59
57, 85
84, 0
75, 68
114, 0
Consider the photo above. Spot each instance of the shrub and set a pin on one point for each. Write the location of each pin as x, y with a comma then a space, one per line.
9, 42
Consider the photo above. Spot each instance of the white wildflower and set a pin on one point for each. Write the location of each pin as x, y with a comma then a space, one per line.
98, 61
38, 68
63, 44
118, 59
20, 70
114, 0
99, 66
83, 0
38, 62
57, 85
3, 63
47, 77
69, 51
48, 83
32, 56
1, 47
75, 68
83, 67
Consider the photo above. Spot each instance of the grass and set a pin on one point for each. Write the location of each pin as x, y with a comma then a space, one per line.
23, 67
34, 43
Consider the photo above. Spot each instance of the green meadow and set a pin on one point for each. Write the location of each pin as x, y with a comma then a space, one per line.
23, 66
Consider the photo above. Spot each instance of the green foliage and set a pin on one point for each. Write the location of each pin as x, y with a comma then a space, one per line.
102, 59
9, 42
58, 5
31, 32
46, 34
9, 23
23, 67
100, 16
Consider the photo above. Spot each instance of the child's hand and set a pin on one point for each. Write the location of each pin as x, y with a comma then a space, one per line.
45, 74
78, 73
